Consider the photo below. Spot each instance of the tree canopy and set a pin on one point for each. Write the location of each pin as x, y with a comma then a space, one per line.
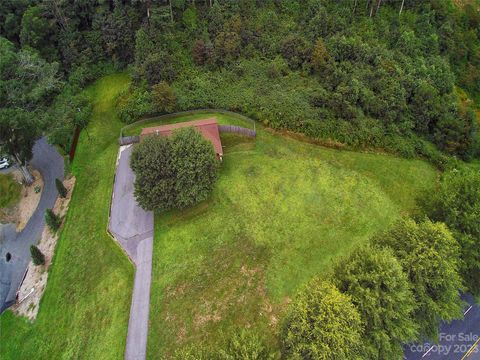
380, 290
456, 201
322, 323
430, 257
360, 73
174, 172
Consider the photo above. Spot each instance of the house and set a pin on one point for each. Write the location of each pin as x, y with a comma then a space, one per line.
207, 127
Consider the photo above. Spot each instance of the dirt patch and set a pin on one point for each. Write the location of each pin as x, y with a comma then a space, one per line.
20, 213
35, 281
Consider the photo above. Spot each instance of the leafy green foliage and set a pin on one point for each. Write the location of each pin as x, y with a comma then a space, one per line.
27, 83
322, 323
134, 103
10, 191
163, 97
37, 256
52, 220
380, 78
68, 112
37, 32
430, 257
245, 345
457, 203
173, 172
62, 190
380, 290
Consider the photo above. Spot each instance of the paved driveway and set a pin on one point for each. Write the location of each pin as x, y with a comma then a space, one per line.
133, 228
50, 164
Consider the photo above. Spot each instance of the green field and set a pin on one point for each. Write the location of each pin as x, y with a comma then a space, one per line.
84, 311
9, 191
281, 212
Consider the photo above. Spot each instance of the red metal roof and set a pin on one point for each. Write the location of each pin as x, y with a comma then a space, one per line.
207, 127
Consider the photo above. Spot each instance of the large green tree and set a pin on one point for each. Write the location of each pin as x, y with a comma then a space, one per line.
173, 172
430, 256
27, 85
456, 202
18, 132
322, 323
378, 287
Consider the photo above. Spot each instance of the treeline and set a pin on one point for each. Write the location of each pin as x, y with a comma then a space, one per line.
362, 73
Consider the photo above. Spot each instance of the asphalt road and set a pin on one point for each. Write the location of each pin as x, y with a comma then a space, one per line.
50, 164
459, 340
133, 229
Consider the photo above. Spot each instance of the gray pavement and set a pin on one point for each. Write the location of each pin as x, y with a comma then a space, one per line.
132, 227
50, 164
8, 170
458, 340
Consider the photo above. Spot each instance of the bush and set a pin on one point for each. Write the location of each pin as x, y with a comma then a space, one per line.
52, 220
62, 190
37, 256
173, 172
430, 257
164, 98
322, 323
378, 287
133, 104
245, 345
456, 202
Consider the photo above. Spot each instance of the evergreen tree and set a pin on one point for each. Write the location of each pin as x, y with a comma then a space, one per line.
52, 220
37, 256
62, 190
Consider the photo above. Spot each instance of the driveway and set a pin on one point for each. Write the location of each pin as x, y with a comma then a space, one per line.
459, 340
50, 164
132, 227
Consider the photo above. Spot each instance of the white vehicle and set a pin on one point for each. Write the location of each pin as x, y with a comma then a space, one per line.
4, 163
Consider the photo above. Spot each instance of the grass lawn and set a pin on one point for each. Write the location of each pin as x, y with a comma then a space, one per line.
9, 191
84, 311
282, 211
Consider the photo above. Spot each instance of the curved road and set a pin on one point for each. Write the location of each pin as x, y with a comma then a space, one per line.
50, 164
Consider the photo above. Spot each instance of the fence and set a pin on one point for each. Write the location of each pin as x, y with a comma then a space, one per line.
73, 147
127, 140
237, 130
189, 112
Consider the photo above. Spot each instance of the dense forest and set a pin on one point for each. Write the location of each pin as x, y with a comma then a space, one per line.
385, 74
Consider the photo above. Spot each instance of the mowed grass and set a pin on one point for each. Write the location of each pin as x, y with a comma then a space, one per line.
282, 211
10, 191
84, 311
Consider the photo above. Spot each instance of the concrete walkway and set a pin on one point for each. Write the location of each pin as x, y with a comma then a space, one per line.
133, 229
50, 164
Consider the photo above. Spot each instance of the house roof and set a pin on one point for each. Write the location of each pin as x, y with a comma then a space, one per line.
207, 127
